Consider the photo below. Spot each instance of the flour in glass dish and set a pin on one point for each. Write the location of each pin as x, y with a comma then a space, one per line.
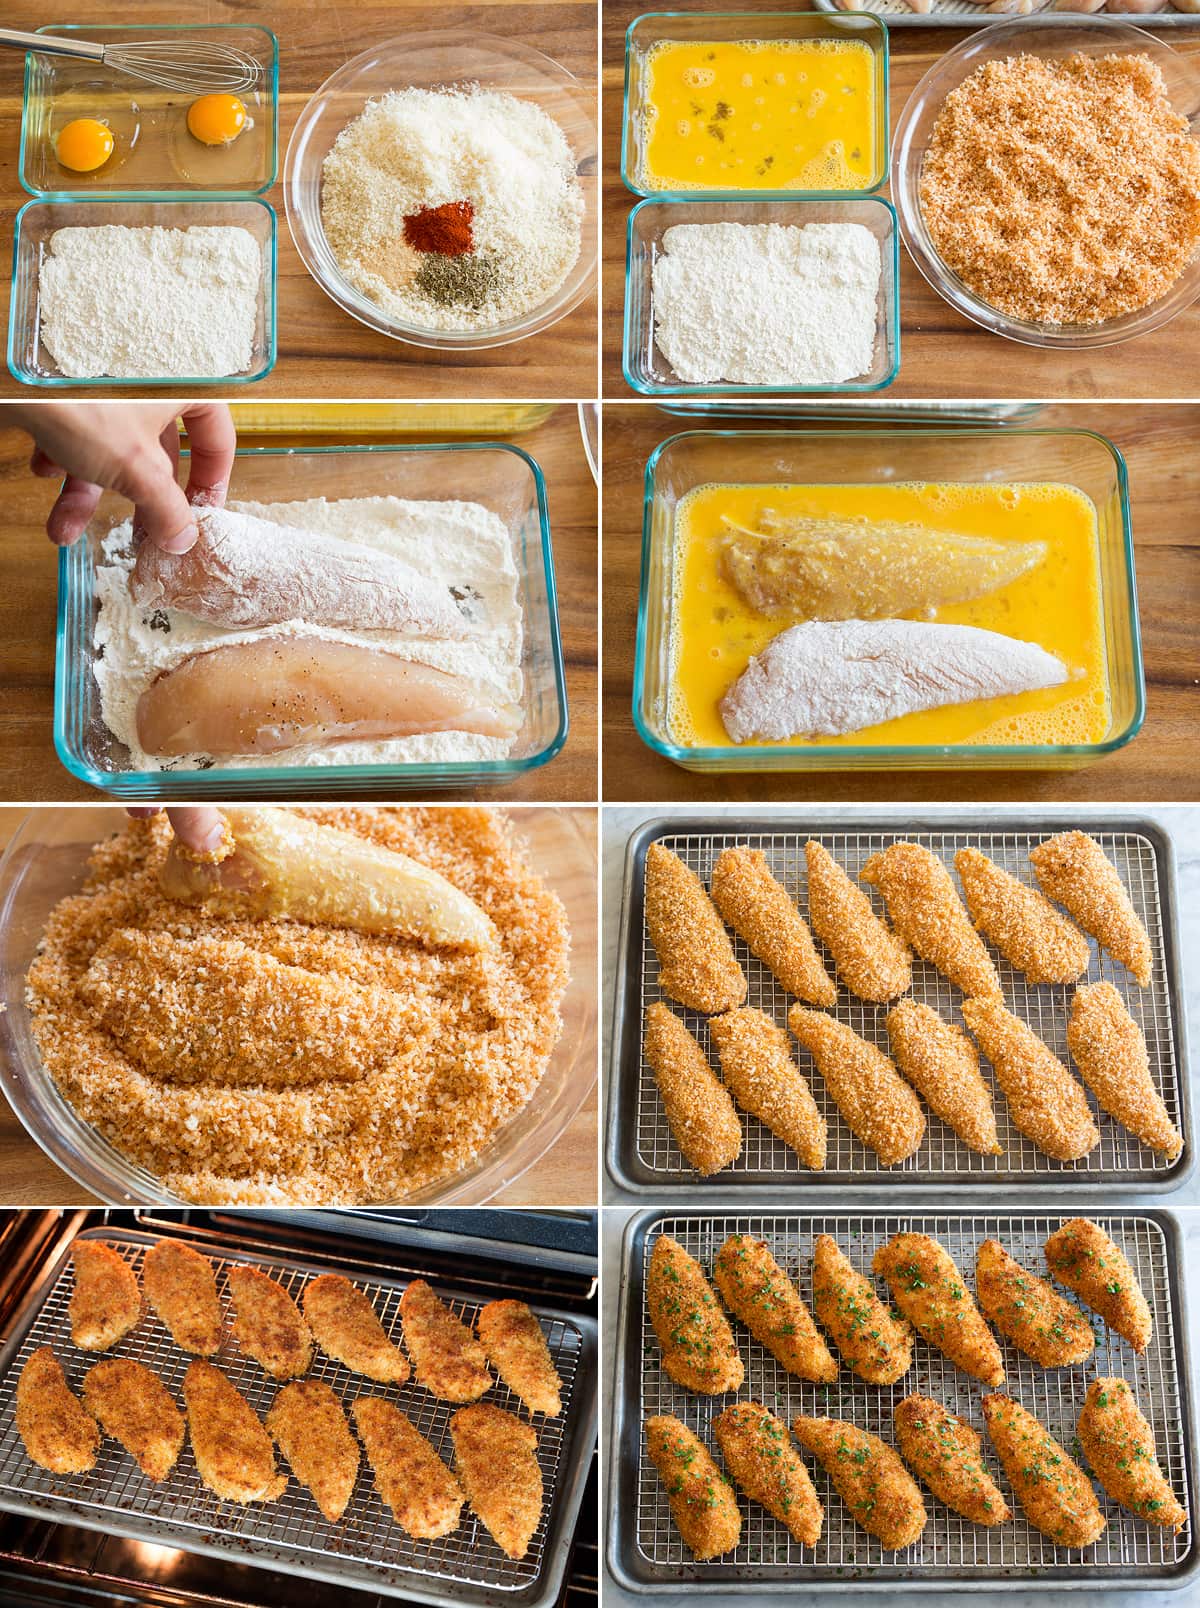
464, 545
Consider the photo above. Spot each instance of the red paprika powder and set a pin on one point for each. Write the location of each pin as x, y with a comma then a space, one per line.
443, 231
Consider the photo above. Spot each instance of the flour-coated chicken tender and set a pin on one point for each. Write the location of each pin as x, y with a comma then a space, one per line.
1055, 1494
932, 1294
1045, 1102
1081, 1256
756, 1289
928, 914
1110, 1051
758, 1452
699, 1107
877, 1346
760, 910
703, 1503
942, 1064
881, 1494
764, 1079
106, 1302
1030, 1312
696, 963
878, 1105
54, 1428
698, 1348
1075, 870
947, 1454
1119, 1446
871, 961
1026, 928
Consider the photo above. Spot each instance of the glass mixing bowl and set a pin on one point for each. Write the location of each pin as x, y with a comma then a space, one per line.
436, 61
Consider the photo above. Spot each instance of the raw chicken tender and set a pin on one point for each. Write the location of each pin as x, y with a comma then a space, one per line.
1075, 870
696, 963
757, 1065
1110, 1051
767, 1467
1027, 930
703, 1503
761, 911
871, 961
928, 914
1045, 1102
878, 1105
699, 1109
697, 1344
878, 1490
942, 1064
757, 1290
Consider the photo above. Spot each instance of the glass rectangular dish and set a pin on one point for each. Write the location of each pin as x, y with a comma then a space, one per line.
28, 359
651, 29
1079, 458
646, 369
498, 475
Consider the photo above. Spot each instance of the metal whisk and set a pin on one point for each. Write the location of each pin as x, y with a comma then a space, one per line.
199, 67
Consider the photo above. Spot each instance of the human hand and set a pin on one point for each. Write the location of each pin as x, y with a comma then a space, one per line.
200, 829
131, 448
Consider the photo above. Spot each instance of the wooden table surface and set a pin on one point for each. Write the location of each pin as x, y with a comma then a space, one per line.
323, 352
29, 766
942, 353
1159, 444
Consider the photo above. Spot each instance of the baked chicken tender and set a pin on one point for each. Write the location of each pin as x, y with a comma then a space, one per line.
703, 1503
879, 1107
1054, 1493
1110, 1051
1119, 1446
1075, 870
697, 1344
699, 1107
947, 1455
425, 1498
871, 961
233, 1451
942, 1064
766, 1466
760, 910
1026, 928
134, 1406
54, 1429
516, 1347
308, 1425
756, 1289
928, 914
877, 1346
1030, 1312
106, 1302
181, 1286
267, 1324
1045, 1102
758, 1068
496, 1457
881, 1494
449, 1361
1081, 1256
931, 1293
347, 1328
696, 963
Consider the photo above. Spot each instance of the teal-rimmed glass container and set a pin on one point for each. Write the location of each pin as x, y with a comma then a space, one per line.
498, 475
1079, 458
647, 371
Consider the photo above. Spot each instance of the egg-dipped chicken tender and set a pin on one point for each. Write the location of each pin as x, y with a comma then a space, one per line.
698, 1348
931, 1292
881, 1494
703, 1503
766, 1466
877, 1346
1030, 1312
1119, 1445
947, 1454
1055, 1494
757, 1290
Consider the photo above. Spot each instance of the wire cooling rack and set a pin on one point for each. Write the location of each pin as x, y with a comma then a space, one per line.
646, 1151
951, 1548
367, 1547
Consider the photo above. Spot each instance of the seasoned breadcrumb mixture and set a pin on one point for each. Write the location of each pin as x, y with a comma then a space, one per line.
1063, 191
265, 1061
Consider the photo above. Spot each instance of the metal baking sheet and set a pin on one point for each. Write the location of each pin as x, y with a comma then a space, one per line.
367, 1548
969, 14
643, 1156
645, 1549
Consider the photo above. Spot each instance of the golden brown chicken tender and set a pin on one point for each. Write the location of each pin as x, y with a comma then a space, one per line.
871, 961
931, 1293
699, 1107
106, 1302
757, 1290
134, 1406
757, 1065
449, 1361
1027, 930
928, 914
871, 1480
267, 1324
877, 1346
767, 1467
878, 1105
516, 1347
696, 963
760, 910
698, 1348
347, 1328
1055, 1494
496, 1458
703, 1503
942, 1064
1081, 1256
425, 1499
308, 1425
945, 1452
54, 1428
1075, 870
1030, 1312
181, 1286
233, 1451
1110, 1051
1119, 1445
1045, 1102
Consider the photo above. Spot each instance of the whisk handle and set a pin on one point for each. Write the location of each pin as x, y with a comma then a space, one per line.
52, 44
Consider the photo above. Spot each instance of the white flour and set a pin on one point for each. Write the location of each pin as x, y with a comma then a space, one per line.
471, 551
144, 302
766, 304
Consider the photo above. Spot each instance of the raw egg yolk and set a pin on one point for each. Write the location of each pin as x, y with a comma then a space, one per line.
84, 145
216, 119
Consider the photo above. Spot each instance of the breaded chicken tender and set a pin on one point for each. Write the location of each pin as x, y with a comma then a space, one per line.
947, 1454
1027, 930
942, 1064
516, 1346
267, 1324
181, 1286
308, 1425
425, 1499
928, 914
1045, 1102
1030, 1312
496, 1458
760, 910
347, 1328
756, 1289
758, 1068
54, 1429
765, 1465
1119, 1445
871, 1480
134, 1406
931, 1293
698, 1348
1075, 870
233, 1451
877, 1104
699, 1108
877, 1346
1110, 1052
871, 961
1081, 1256
1055, 1494
703, 1503
106, 1302
696, 963
450, 1362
